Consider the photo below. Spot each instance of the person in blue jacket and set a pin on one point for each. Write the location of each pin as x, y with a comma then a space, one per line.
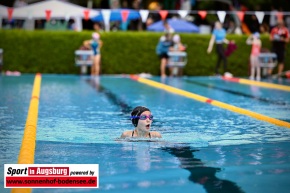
162, 49
219, 38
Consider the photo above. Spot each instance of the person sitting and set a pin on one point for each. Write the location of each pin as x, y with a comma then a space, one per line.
142, 119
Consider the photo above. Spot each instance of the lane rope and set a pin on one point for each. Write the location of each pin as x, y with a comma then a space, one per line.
27, 149
211, 101
258, 83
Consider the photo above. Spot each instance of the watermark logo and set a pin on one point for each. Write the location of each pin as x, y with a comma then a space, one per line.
51, 175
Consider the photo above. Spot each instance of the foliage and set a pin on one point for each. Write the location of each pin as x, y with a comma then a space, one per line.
122, 52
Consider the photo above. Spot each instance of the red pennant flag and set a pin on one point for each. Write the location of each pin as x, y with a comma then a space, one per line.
48, 14
241, 15
202, 14
10, 12
279, 16
87, 14
125, 14
163, 14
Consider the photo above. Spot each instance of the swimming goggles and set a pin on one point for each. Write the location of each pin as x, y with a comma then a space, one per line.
143, 117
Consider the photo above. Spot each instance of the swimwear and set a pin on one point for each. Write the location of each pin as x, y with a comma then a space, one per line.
149, 134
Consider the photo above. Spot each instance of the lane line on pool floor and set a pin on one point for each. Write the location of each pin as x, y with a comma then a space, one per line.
258, 83
27, 149
211, 101
235, 92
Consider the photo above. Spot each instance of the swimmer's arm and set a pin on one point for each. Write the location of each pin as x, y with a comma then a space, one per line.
155, 134
126, 134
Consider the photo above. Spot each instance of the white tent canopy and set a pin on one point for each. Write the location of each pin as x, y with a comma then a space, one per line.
59, 9
3, 11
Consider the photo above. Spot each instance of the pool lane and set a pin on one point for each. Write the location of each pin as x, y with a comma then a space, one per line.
211, 101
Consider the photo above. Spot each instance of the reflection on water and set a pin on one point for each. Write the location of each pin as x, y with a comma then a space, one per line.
141, 152
201, 174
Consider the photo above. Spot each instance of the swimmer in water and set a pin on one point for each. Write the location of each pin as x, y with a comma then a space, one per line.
142, 119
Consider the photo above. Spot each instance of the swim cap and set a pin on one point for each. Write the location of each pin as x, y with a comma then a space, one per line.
137, 112
256, 34
95, 36
176, 38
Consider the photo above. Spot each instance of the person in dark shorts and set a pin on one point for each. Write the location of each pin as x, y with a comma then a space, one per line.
218, 38
162, 49
279, 36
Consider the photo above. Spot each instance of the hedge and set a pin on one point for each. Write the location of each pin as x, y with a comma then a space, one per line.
122, 52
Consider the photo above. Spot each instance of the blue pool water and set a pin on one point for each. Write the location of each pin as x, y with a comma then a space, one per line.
204, 148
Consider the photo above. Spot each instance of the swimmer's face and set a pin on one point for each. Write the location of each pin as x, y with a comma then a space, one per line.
145, 125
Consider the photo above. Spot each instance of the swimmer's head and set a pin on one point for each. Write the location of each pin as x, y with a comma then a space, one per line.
95, 36
137, 111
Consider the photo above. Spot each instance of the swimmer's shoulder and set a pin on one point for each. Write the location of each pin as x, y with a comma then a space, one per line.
155, 134
126, 134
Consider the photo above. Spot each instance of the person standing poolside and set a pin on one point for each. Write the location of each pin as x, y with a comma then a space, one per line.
162, 49
219, 38
256, 43
142, 119
279, 36
95, 44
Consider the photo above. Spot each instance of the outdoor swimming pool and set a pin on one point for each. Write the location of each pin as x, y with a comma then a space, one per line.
204, 148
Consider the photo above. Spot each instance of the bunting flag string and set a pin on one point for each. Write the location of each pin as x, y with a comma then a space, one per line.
144, 13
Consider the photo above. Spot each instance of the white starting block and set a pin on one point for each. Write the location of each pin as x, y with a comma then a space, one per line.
177, 60
267, 60
83, 58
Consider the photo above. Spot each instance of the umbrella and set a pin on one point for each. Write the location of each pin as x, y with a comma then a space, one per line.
178, 25
116, 15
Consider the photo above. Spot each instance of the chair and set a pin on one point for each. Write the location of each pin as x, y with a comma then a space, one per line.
177, 60
267, 60
83, 58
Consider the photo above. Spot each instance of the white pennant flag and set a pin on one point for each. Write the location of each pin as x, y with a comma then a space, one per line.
30, 17
260, 16
183, 13
106, 17
144, 15
221, 15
